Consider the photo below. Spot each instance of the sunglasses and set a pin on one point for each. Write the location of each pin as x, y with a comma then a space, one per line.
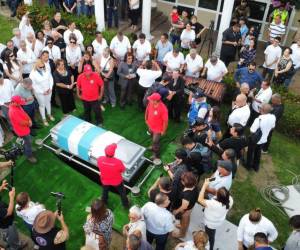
73, 42
11, 55
43, 67
49, 43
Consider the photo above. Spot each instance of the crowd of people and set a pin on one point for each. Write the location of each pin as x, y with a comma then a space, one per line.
42, 69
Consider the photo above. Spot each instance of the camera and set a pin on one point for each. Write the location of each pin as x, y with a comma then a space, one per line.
59, 196
13, 153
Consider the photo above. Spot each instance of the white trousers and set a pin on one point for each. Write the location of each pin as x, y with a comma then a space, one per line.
44, 103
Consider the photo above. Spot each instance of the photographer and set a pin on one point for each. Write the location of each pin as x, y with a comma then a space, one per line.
46, 235
10, 238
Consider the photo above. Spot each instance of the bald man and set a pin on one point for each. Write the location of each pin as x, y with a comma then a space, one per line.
240, 112
265, 122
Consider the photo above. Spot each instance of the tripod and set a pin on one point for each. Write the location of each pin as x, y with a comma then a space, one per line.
209, 38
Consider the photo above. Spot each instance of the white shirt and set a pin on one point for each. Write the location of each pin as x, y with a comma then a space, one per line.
263, 95
272, 53
158, 219
2, 47
16, 41
266, 124
215, 213
247, 230
27, 56
239, 115
16, 72
73, 55
221, 181
29, 214
38, 47
54, 52
41, 82
193, 65
186, 37
24, 28
99, 47
138, 225
190, 245
147, 76
120, 48
214, 72
77, 34
6, 91
142, 50
295, 55
173, 62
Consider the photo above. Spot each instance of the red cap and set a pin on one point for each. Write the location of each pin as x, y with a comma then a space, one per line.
18, 99
110, 149
87, 68
154, 97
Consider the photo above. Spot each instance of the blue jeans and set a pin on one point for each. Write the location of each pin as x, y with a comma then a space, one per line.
288, 81
175, 39
112, 13
89, 10
80, 8
27, 146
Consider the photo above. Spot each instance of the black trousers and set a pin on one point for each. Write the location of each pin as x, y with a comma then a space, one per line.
253, 156
211, 237
265, 147
175, 107
160, 240
134, 16
88, 106
121, 190
126, 92
227, 58
141, 94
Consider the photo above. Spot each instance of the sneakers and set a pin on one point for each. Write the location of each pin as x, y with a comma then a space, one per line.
46, 124
264, 152
32, 159
102, 108
51, 118
148, 133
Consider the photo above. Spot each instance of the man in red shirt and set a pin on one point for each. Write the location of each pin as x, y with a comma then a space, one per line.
21, 124
156, 117
90, 90
111, 170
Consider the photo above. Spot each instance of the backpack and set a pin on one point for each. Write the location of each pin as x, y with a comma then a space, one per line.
193, 112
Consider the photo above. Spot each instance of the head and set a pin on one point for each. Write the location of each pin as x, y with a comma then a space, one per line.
47, 25
87, 56
50, 42
175, 74
265, 84
162, 200
135, 214
184, 14
255, 215
252, 67
106, 52
57, 17
236, 27
287, 52
245, 88
295, 222
133, 242
9, 56
252, 43
237, 130
199, 96
30, 37
260, 240
242, 21
73, 41
193, 19
45, 56
277, 19
120, 36
90, 48
229, 154
40, 35
99, 36
181, 155
129, 58
142, 38
223, 196
16, 32
215, 113
98, 210
39, 65
55, 35
193, 53
188, 27
200, 239
213, 59
27, 83
44, 222
72, 26
174, 10
241, 100
276, 41
10, 45
199, 125
187, 142
23, 45
265, 108
60, 65
176, 52
188, 180
224, 167
165, 184
164, 37
276, 99
22, 200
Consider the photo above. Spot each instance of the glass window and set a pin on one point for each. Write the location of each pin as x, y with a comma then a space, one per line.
171, 1
208, 4
257, 10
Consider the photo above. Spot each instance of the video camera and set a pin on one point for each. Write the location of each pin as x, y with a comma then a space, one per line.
13, 153
59, 196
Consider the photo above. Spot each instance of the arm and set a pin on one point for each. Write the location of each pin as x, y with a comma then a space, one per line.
6, 164
236, 77
63, 234
120, 71
272, 233
287, 68
154, 186
65, 6
240, 234
182, 208
201, 198
73, 7
10, 209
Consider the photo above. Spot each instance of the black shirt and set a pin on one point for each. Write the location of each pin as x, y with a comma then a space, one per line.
278, 111
55, 24
230, 36
197, 27
5, 221
46, 241
236, 143
65, 79
191, 196
60, 43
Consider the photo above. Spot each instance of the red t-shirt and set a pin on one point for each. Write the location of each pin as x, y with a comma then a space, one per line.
156, 117
89, 86
111, 170
19, 120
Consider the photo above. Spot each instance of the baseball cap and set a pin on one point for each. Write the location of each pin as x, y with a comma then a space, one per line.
110, 149
18, 99
154, 97
199, 122
225, 164
87, 68
198, 94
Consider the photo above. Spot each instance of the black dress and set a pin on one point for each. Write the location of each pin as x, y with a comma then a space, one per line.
66, 96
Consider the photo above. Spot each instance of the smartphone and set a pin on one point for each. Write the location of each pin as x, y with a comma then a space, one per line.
212, 179
9, 187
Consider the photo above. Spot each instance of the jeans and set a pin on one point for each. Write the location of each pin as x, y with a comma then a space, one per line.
211, 237
89, 10
109, 91
288, 81
141, 93
80, 8
27, 146
121, 190
253, 156
112, 13
160, 240
268, 72
88, 106
126, 92
175, 39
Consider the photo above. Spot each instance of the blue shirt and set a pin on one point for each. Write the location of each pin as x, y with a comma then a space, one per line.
69, 3
242, 75
163, 49
264, 248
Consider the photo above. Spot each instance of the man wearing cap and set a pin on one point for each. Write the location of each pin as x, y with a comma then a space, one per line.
156, 117
46, 235
223, 178
90, 90
214, 69
111, 170
198, 108
21, 124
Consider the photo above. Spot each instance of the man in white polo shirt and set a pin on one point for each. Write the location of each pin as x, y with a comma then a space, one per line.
174, 60
119, 46
159, 221
240, 112
214, 69
265, 122
193, 64
148, 72
99, 43
141, 48
27, 58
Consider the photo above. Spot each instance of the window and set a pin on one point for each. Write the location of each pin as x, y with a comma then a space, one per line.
208, 4
171, 1
257, 10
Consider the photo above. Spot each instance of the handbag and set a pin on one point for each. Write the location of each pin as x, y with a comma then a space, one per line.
106, 71
256, 136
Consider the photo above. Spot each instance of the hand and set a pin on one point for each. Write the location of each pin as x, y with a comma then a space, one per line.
10, 163
24, 62
3, 185
59, 217
30, 123
29, 99
166, 168
206, 182
235, 44
163, 133
12, 193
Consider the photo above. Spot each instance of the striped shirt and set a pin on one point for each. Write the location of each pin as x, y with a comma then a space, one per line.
276, 30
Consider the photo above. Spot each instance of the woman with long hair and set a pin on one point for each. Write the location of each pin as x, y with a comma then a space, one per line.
98, 226
12, 68
64, 82
42, 84
73, 56
214, 121
87, 59
284, 68
215, 210
47, 28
